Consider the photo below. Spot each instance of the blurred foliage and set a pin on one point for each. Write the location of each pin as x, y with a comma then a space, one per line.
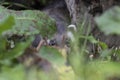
7, 24
103, 67
83, 68
109, 22
26, 24
19, 47
30, 22
52, 54
19, 73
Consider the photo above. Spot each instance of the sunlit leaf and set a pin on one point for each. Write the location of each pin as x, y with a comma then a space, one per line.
2, 44
7, 24
103, 45
16, 73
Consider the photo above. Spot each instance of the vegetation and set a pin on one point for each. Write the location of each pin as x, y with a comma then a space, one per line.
17, 29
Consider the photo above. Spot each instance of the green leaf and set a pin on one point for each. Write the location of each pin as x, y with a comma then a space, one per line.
32, 21
109, 22
92, 39
2, 43
15, 52
7, 24
14, 73
105, 53
103, 45
52, 54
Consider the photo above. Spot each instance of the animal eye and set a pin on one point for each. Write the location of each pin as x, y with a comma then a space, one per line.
52, 42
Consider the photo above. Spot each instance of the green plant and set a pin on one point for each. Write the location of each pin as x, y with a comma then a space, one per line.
25, 24
100, 68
